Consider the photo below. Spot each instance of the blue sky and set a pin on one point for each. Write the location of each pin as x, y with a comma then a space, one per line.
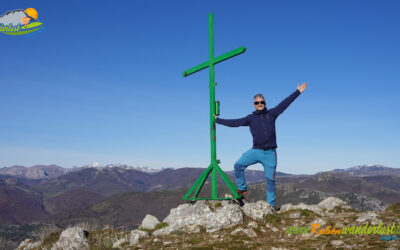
102, 83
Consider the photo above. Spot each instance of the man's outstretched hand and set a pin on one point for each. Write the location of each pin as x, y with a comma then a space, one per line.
302, 87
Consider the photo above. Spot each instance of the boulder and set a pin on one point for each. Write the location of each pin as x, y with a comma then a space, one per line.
166, 230
28, 244
252, 224
328, 204
72, 238
149, 222
301, 206
189, 214
250, 232
237, 230
190, 217
118, 243
369, 216
225, 217
137, 235
331, 202
258, 210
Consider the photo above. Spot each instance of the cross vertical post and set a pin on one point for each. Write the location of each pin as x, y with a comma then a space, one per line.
213, 133
213, 168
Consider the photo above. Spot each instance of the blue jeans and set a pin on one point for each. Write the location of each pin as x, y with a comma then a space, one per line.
268, 159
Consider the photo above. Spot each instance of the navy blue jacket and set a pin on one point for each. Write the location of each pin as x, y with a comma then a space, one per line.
262, 123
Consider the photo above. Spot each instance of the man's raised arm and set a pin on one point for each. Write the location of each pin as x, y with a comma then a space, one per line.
245, 121
276, 111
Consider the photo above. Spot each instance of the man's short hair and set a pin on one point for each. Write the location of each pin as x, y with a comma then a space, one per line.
259, 95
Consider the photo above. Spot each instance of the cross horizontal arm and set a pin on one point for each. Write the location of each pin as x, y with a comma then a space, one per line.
229, 54
216, 60
195, 69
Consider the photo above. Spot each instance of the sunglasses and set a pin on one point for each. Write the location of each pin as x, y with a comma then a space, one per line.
262, 102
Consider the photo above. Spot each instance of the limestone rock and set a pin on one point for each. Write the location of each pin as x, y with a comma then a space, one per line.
149, 222
28, 244
253, 224
336, 243
193, 229
73, 238
369, 216
136, 235
166, 230
301, 206
331, 202
118, 243
237, 230
188, 214
258, 210
187, 217
225, 217
250, 232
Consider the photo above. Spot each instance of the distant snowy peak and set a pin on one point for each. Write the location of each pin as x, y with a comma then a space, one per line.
94, 165
369, 167
97, 165
363, 168
369, 170
148, 170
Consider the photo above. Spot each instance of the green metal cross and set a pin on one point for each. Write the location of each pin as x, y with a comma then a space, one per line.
213, 168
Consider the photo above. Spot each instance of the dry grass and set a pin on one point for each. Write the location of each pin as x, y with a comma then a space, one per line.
45, 231
270, 233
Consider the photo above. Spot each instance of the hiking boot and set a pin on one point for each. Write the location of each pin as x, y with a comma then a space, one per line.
241, 192
275, 209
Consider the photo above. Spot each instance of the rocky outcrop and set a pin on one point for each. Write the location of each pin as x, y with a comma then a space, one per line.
258, 210
72, 238
321, 208
191, 217
302, 206
331, 203
204, 216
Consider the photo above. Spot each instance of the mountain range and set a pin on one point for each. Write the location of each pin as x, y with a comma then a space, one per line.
121, 196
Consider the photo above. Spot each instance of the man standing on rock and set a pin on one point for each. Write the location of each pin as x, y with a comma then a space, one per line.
262, 128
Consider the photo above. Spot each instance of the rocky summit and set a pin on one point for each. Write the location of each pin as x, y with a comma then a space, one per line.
332, 223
